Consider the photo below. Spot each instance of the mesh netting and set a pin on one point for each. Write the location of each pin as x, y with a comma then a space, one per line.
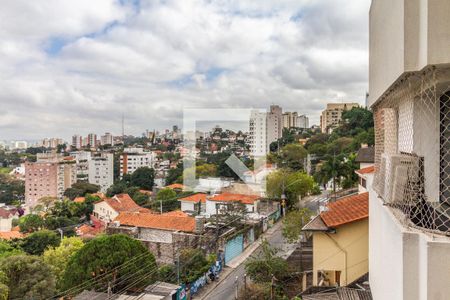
412, 149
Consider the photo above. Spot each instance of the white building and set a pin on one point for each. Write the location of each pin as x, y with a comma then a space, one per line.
92, 140
409, 79
220, 202
302, 122
108, 209
8, 213
77, 141
82, 159
101, 170
134, 158
107, 139
265, 128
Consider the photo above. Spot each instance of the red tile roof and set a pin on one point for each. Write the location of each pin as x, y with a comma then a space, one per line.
228, 197
122, 202
347, 209
175, 186
367, 170
155, 221
176, 213
79, 199
9, 235
196, 198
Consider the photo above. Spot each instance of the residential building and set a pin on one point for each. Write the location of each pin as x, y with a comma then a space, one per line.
365, 156
49, 176
19, 145
290, 119
101, 170
77, 141
51, 143
107, 139
194, 203
134, 158
265, 128
409, 75
332, 115
92, 140
302, 122
108, 209
8, 213
340, 237
82, 159
221, 202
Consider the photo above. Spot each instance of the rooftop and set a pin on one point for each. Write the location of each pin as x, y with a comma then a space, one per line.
367, 170
175, 186
346, 210
196, 198
228, 197
9, 235
156, 221
122, 203
366, 155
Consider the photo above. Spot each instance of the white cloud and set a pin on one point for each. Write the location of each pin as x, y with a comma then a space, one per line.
74, 66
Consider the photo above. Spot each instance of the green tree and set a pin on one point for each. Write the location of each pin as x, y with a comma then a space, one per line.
4, 289
260, 269
292, 184
193, 264
354, 121
294, 222
28, 277
292, 156
37, 242
143, 178
6, 250
58, 257
175, 175
100, 260
166, 194
206, 170
80, 189
339, 169
30, 223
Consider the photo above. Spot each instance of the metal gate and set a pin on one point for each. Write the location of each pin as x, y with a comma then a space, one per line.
234, 247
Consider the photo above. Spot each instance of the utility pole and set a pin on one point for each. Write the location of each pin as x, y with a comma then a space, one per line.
236, 283
217, 222
160, 206
271, 287
178, 267
245, 286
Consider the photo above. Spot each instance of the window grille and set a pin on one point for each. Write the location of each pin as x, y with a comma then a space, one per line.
412, 149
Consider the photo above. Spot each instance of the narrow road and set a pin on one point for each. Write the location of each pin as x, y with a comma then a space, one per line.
226, 290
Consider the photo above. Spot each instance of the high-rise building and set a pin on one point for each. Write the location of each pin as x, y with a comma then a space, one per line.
290, 119
409, 194
92, 140
332, 115
82, 159
265, 128
107, 139
77, 141
101, 170
51, 143
302, 122
134, 158
49, 176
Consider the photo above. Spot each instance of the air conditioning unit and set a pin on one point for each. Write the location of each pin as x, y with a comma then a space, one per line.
402, 177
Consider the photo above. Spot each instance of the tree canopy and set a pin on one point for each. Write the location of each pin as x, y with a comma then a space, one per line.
260, 269
101, 258
37, 242
294, 222
143, 178
293, 184
28, 277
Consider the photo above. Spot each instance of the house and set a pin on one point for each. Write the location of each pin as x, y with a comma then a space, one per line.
409, 76
363, 175
8, 213
193, 203
163, 234
365, 156
108, 209
176, 187
218, 202
340, 241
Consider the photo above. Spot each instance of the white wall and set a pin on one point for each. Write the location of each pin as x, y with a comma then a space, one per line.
105, 212
187, 206
404, 263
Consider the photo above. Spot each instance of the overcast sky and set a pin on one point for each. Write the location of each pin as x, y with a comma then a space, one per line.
75, 66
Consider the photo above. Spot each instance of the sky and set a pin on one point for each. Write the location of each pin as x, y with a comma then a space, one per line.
76, 66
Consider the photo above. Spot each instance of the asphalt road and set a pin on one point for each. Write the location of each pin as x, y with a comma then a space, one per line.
226, 290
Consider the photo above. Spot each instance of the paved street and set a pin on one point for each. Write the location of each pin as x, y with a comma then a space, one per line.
314, 202
227, 288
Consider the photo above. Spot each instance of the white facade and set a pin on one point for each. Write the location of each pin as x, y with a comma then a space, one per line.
82, 159
409, 253
107, 139
265, 128
210, 207
77, 141
302, 122
104, 211
101, 171
134, 158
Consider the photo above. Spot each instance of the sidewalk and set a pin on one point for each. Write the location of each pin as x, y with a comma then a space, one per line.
235, 263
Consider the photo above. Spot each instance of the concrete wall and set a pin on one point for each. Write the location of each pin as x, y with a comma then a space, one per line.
345, 251
405, 264
405, 35
103, 211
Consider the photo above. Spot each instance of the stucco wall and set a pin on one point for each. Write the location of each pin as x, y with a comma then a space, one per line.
345, 251
405, 264
105, 212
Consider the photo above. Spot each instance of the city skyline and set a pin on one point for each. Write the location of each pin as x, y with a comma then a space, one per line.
90, 64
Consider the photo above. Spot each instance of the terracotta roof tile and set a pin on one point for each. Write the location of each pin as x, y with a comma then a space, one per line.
175, 186
228, 197
176, 213
155, 221
196, 198
347, 209
122, 202
79, 199
367, 170
9, 235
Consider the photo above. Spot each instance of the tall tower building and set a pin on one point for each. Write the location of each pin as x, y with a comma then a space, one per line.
265, 128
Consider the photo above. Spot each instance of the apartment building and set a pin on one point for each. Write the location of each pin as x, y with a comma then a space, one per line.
409, 205
101, 170
134, 158
92, 140
332, 115
82, 159
302, 122
51, 142
77, 141
290, 119
49, 176
265, 128
107, 139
